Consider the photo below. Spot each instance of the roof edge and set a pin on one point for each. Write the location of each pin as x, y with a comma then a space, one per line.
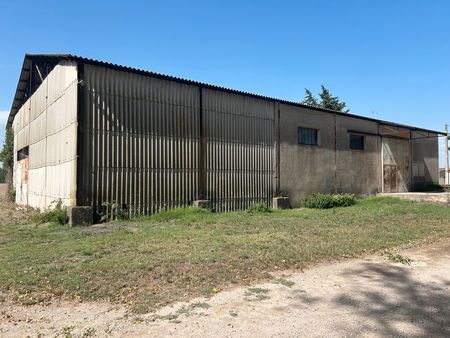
77, 58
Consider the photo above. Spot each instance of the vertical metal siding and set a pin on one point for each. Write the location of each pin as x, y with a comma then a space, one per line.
141, 144
239, 149
141, 139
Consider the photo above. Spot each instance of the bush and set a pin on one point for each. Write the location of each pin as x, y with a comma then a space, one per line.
12, 195
260, 206
56, 215
326, 201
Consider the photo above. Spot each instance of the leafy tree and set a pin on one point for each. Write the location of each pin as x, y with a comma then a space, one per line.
2, 176
7, 156
326, 100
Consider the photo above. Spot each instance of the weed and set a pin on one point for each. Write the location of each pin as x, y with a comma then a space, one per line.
201, 305
394, 256
257, 294
285, 282
114, 211
258, 207
89, 332
56, 214
327, 201
67, 332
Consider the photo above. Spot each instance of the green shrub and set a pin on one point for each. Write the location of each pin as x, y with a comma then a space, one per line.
260, 206
56, 215
326, 201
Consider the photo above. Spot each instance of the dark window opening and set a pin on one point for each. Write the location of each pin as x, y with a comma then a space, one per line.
356, 142
307, 136
22, 153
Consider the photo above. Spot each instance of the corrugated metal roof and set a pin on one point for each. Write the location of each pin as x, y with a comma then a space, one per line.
19, 96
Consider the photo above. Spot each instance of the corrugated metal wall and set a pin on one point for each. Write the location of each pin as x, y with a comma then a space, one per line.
47, 123
239, 138
140, 142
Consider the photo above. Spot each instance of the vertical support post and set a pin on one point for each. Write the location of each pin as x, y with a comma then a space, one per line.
446, 177
276, 185
81, 163
201, 153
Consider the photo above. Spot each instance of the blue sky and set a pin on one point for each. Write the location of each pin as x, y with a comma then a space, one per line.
386, 59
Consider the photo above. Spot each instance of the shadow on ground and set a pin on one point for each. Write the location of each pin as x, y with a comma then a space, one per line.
400, 304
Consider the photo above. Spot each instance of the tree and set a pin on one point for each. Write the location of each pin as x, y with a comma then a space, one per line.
7, 156
327, 100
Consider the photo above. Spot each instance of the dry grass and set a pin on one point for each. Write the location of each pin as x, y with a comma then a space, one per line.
183, 253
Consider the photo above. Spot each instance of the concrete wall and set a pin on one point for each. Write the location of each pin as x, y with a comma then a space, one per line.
358, 171
425, 154
331, 166
47, 124
305, 169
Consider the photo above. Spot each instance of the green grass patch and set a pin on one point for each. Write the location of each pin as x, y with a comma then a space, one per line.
184, 253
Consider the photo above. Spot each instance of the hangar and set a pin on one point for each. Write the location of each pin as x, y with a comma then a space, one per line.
92, 133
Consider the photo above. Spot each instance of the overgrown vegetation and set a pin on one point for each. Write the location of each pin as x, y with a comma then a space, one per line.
260, 206
184, 253
327, 201
7, 155
56, 214
114, 211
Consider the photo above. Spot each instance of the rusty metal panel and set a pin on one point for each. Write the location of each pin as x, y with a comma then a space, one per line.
239, 140
139, 142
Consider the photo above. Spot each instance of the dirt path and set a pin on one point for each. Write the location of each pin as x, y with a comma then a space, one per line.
362, 297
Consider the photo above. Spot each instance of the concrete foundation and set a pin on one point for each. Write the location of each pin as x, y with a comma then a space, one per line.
80, 215
281, 203
203, 204
440, 198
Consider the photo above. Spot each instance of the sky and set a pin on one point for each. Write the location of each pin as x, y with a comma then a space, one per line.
386, 59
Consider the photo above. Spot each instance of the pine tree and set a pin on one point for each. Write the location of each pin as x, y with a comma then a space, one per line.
310, 99
331, 102
326, 100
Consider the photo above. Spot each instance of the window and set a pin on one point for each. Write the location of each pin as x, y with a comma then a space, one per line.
22, 153
307, 136
356, 142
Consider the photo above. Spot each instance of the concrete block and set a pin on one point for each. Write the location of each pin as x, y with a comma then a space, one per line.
4, 190
203, 204
281, 203
80, 215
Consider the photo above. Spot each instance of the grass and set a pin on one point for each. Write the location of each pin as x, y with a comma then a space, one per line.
185, 253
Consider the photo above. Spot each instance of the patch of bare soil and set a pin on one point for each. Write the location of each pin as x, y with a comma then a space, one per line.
372, 296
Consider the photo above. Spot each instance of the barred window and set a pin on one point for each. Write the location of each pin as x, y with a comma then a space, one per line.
356, 142
307, 136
